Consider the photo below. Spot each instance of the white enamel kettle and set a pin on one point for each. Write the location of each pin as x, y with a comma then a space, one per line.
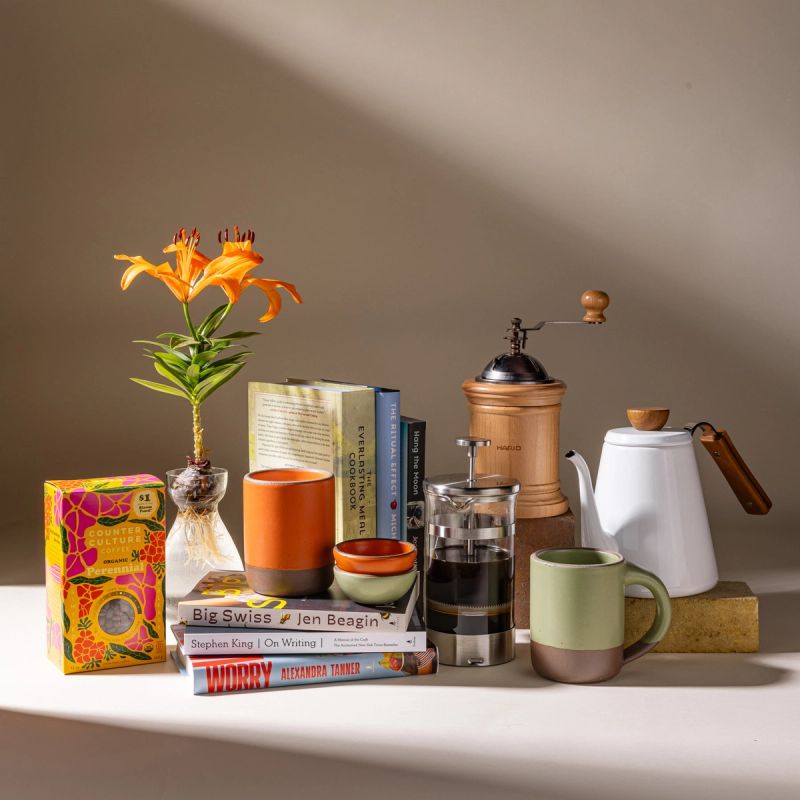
648, 503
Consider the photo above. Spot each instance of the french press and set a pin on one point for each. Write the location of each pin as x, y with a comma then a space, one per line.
469, 570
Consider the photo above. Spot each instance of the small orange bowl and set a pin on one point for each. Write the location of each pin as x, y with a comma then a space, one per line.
375, 556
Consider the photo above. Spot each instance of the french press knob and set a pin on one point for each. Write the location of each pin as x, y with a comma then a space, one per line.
472, 444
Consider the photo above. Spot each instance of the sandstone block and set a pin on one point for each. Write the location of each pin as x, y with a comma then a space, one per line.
722, 620
532, 535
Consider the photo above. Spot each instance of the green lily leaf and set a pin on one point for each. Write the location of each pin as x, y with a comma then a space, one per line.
193, 375
164, 348
172, 375
204, 357
160, 345
160, 387
210, 385
178, 362
217, 348
237, 358
183, 341
213, 320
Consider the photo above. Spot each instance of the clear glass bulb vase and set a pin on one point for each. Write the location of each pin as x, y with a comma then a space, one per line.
198, 541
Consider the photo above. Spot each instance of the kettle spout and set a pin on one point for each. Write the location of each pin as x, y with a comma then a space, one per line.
592, 533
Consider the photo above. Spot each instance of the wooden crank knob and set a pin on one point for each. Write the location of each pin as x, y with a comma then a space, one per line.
595, 302
648, 419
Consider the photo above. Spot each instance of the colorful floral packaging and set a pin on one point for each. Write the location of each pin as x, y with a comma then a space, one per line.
104, 553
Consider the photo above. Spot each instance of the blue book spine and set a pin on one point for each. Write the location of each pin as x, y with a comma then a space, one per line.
219, 674
387, 462
404, 476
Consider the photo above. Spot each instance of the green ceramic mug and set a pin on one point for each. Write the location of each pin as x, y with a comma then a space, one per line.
578, 613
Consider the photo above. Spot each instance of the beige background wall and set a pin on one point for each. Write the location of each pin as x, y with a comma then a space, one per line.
422, 171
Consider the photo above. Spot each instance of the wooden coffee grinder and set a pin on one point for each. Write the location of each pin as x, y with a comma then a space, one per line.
516, 404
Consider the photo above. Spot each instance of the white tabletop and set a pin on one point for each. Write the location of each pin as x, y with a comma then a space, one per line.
688, 726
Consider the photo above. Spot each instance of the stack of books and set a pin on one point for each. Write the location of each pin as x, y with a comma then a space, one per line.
232, 639
357, 433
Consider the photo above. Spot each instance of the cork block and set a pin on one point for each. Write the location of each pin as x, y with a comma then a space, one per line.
532, 535
722, 620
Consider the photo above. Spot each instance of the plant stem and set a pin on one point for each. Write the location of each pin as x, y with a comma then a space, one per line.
197, 431
189, 320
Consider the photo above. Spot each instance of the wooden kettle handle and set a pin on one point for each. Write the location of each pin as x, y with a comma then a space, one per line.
747, 489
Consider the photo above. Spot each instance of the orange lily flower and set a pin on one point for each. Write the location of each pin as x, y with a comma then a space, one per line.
194, 271
189, 263
162, 272
230, 271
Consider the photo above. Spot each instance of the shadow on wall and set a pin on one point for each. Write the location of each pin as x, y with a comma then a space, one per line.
162, 765
132, 120
778, 614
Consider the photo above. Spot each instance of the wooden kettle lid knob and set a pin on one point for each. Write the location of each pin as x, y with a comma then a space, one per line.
595, 302
648, 419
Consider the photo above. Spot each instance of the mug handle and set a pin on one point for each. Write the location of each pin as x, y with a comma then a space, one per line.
641, 577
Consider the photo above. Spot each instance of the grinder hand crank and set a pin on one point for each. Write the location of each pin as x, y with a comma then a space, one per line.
516, 404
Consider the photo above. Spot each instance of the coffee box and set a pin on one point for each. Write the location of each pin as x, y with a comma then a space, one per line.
104, 554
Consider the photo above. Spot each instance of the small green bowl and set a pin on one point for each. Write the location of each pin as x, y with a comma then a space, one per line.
373, 590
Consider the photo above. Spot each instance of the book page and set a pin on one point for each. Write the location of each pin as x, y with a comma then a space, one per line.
291, 431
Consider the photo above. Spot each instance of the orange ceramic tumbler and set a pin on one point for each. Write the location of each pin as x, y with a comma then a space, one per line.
289, 531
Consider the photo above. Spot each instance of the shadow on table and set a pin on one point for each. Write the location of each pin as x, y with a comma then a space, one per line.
92, 760
661, 669
693, 669
89, 760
